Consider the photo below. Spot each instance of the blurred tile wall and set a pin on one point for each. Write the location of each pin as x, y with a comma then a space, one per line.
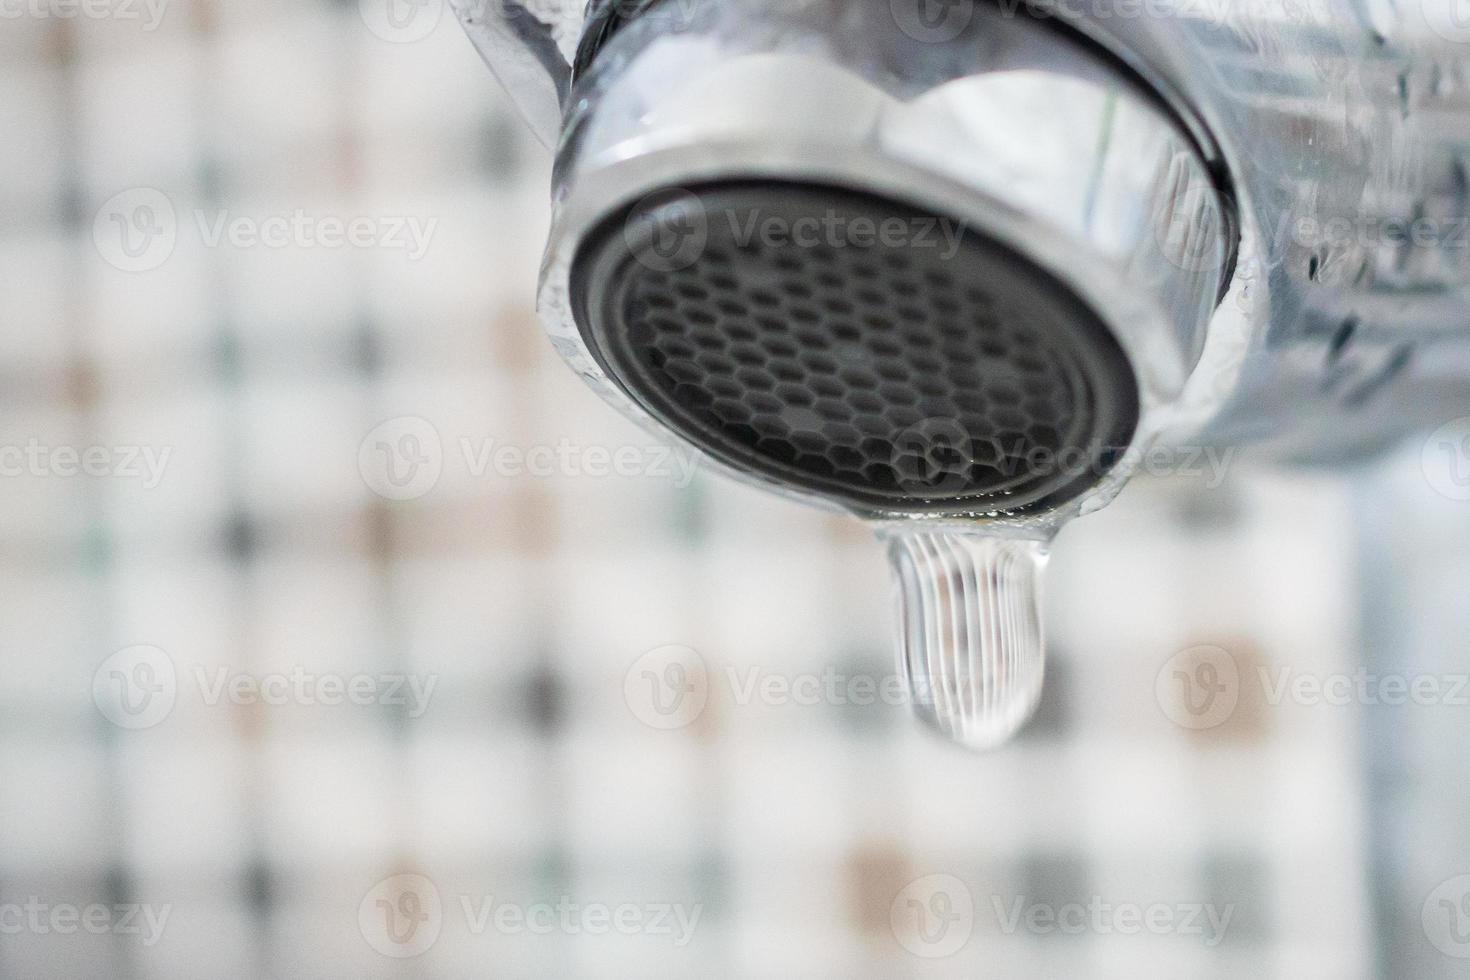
336, 645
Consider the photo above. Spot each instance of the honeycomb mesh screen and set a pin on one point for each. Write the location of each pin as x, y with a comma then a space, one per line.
848, 345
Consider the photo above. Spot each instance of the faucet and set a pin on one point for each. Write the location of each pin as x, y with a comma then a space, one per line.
961, 268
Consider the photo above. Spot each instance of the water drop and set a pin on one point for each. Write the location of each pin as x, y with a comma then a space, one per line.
970, 635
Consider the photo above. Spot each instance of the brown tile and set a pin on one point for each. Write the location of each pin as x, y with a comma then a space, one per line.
876, 872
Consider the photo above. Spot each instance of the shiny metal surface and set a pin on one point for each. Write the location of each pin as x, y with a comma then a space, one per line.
1341, 127
1010, 127
1265, 203
528, 45
1345, 126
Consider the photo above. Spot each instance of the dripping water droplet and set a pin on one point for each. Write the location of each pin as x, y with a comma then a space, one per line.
970, 634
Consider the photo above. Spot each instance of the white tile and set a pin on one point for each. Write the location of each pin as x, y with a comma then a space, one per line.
622, 796
33, 157
360, 780
209, 931
274, 91
471, 621
169, 471
125, 27
613, 609
49, 622
319, 615
139, 113
30, 439
299, 446
481, 797
132, 319
812, 779
185, 805
56, 812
